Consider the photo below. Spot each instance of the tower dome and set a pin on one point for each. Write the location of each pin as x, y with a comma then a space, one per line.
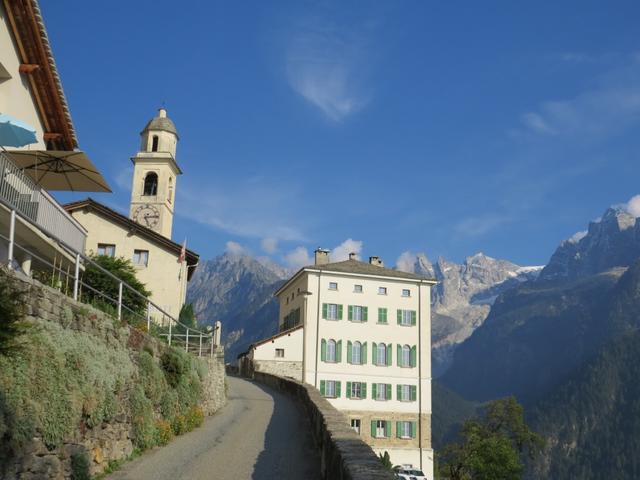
159, 135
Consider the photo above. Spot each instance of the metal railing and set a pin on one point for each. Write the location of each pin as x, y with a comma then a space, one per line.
22, 194
70, 279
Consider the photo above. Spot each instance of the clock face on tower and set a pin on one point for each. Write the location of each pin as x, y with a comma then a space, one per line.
147, 215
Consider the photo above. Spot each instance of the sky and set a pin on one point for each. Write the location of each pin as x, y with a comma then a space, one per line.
385, 127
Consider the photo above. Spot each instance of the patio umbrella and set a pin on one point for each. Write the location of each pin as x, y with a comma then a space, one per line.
14, 133
60, 170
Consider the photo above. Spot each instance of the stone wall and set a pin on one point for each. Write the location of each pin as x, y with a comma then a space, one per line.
113, 440
279, 368
343, 455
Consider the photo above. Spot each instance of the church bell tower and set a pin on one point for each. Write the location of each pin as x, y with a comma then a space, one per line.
155, 174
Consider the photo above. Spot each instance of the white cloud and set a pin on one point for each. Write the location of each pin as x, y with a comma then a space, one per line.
406, 262
325, 64
576, 237
536, 123
269, 245
298, 257
477, 226
633, 206
234, 248
342, 251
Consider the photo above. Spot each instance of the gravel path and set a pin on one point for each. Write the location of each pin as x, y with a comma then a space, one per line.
261, 434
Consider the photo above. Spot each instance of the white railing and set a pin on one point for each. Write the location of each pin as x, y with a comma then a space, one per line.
22, 194
125, 305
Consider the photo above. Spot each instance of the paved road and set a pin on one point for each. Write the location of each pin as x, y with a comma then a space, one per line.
261, 434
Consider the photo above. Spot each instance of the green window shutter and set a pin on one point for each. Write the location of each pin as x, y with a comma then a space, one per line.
348, 390
373, 428
363, 389
373, 353
414, 351
324, 311
350, 312
338, 389
413, 317
338, 351
349, 351
389, 354
399, 350
399, 317
413, 392
365, 313
399, 392
322, 387
398, 429
323, 350
363, 353
413, 429
339, 312
388, 392
374, 390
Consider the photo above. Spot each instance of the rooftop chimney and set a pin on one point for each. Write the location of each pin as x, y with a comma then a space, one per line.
353, 256
162, 112
321, 256
377, 261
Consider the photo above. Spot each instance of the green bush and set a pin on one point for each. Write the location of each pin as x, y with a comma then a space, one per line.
80, 467
11, 323
164, 432
175, 363
152, 378
144, 427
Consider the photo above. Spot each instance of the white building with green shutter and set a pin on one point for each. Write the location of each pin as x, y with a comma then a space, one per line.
367, 347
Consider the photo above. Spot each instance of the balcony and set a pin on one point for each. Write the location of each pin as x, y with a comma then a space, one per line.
20, 193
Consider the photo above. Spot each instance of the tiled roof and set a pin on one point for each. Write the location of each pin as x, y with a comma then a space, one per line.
365, 268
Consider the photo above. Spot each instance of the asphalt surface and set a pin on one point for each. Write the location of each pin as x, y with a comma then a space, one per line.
260, 434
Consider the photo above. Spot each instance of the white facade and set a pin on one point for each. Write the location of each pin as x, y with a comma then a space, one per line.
343, 303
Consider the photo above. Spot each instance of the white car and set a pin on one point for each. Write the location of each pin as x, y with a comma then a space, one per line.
411, 474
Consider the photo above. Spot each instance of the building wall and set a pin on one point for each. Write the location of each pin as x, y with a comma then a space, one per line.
419, 335
290, 365
164, 276
15, 93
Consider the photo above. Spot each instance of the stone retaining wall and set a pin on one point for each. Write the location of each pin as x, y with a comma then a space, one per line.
343, 455
113, 440
279, 368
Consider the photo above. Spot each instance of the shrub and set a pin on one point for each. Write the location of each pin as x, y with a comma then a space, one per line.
152, 378
175, 363
125, 271
144, 427
195, 417
80, 467
11, 316
164, 432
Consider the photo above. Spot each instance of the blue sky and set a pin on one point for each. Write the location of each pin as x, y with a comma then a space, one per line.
439, 127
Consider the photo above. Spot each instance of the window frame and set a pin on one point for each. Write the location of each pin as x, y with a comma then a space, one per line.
139, 252
403, 434
406, 320
386, 315
331, 343
384, 354
330, 386
358, 289
381, 424
405, 356
356, 390
360, 309
105, 247
332, 308
332, 284
382, 291
356, 424
406, 293
381, 392
353, 353
278, 350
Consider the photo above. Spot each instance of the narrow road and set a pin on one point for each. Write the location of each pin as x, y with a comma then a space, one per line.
261, 435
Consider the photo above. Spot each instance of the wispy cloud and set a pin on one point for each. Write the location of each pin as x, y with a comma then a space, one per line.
342, 251
269, 245
298, 257
234, 248
256, 208
480, 225
633, 206
326, 65
406, 262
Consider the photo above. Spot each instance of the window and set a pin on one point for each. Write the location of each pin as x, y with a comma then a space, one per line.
170, 197
405, 356
382, 290
330, 388
331, 311
407, 393
280, 352
150, 184
358, 313
154, 144
381, 391
357, 288
404, 429
331, 351
381, 354
355, 424
141, 257
406, 317
406, 292
379, 428
356, 390
356, 353
333, 286
382, 315
107, 249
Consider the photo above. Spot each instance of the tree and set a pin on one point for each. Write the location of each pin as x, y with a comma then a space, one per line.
491, 448
98, 281
385, 460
